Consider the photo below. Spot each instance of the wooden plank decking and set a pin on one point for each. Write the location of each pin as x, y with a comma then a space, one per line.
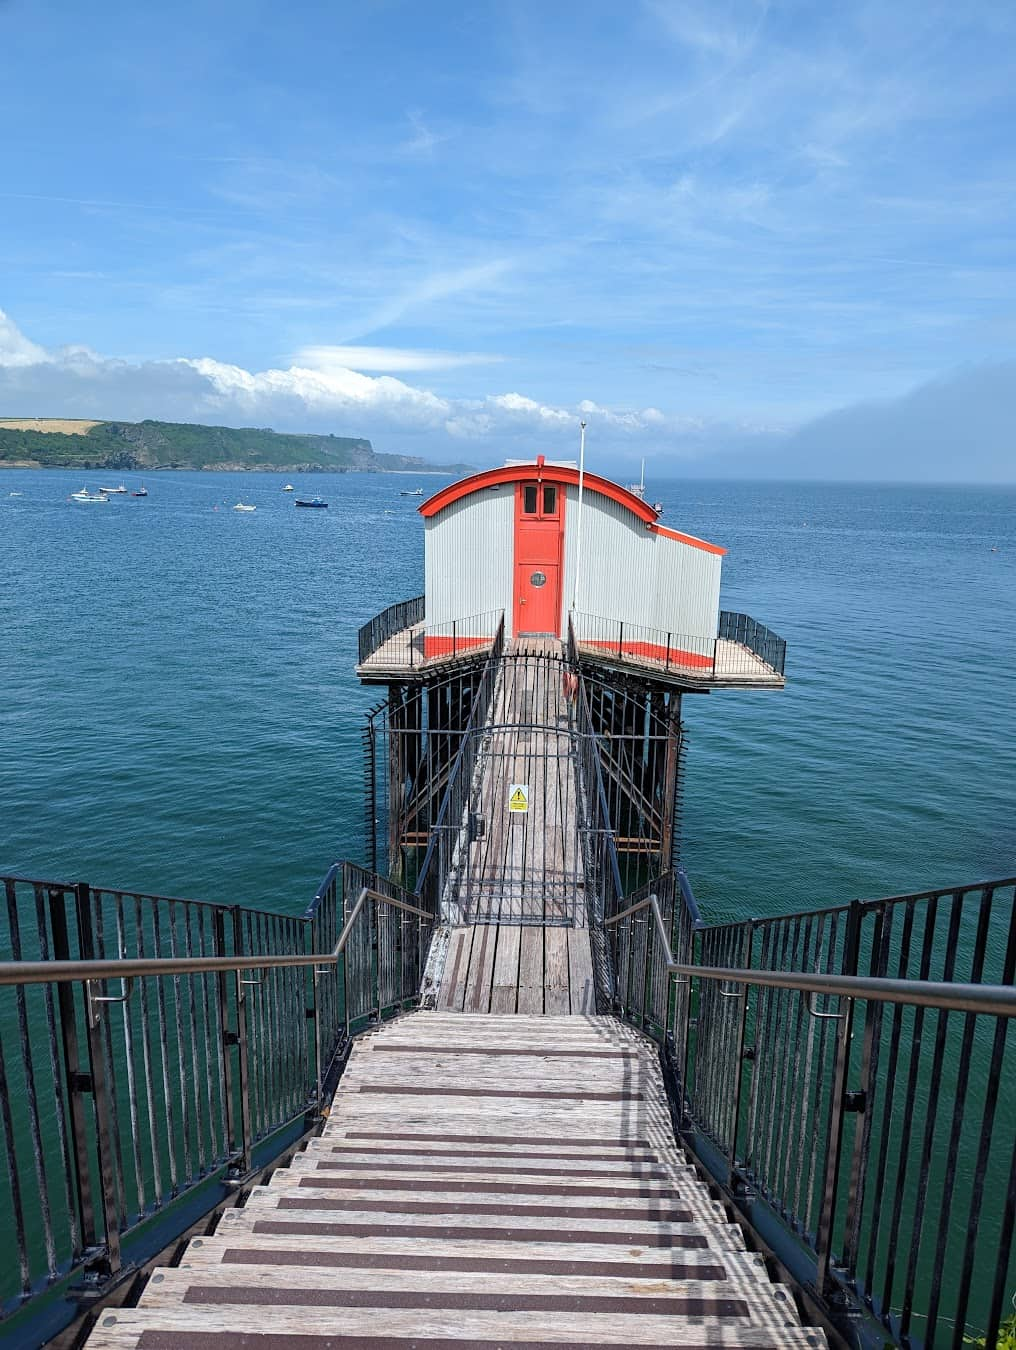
481, 1182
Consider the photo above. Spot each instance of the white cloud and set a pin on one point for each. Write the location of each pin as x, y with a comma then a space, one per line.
15, 348
388, 358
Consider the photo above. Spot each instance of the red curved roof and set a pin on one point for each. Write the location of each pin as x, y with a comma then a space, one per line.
558, 473
546, 473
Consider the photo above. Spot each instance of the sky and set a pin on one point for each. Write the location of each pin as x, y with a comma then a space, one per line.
736, 237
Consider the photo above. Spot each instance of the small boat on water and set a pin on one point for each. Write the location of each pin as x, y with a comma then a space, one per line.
241, 507
318, 502
141, 492
414, 492
120, 491
289, 488
85, 496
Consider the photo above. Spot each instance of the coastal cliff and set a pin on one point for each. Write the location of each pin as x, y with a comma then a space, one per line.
42, 443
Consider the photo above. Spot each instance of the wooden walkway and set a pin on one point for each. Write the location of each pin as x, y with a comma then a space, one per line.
519, 940
527, 865
481, 1182
513, 968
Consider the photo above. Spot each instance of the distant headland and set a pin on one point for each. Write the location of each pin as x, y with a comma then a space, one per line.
70, 443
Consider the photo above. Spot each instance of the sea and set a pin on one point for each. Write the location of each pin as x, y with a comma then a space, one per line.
179, 713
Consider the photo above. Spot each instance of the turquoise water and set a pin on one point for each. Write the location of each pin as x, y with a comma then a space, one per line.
179, 712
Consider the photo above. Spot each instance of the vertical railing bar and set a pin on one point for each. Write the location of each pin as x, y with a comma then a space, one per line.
185, 1113
61, 1102
993, 1082
31, 1094
154, 1123
959, 1111
896, 1026
869, 1077
168, 1104
241, 1146
905, 1135
931, 1122
126, 1012
827, 1217
192, 1017
14, 1180
103, 1026
805, 1076
212, 1039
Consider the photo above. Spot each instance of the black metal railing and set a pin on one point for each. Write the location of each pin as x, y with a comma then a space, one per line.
744, 651
395, 619
452, 829
399, 637
846, 1074
768, 646
151, 1049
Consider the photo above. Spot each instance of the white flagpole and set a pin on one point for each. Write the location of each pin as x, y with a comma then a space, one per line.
578, 518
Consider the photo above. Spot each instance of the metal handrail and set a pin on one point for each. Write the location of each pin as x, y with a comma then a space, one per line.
63, 972
997, 999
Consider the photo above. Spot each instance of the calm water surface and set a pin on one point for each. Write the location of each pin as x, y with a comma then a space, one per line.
179, 712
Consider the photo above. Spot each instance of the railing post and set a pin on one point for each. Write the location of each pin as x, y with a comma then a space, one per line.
102, 1103
739, 1063
78, 1082
834, 1138
669, 636
229, 1038
620, 640
104, 1112
242, 1146
455, 638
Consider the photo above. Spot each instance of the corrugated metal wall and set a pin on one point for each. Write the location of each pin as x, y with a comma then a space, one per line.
631, 573
469, 557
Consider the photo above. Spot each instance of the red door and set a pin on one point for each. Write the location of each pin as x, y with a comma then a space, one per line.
539, 536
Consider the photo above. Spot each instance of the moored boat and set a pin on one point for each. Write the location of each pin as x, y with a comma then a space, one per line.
413, 492
85, 496
141, 492
289, 488
240, 506
317, 502
120, 491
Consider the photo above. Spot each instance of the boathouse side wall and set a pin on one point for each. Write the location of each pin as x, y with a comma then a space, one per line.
469, 564
637, 575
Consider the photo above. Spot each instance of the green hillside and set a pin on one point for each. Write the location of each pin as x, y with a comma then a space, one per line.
184, 445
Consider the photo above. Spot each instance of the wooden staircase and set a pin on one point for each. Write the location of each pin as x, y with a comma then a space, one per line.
484, 1182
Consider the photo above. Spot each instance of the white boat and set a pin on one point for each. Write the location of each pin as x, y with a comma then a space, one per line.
120, 491
85, 496
289, 488
240, 507
416, 492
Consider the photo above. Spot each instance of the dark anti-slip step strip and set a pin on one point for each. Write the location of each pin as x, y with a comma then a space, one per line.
465, 1140
435, 1151
401, 1090
448, 1232
295, 1340
659, 1306
451, 1186
636, 1171
659, 1213
500, 1050
637, 1269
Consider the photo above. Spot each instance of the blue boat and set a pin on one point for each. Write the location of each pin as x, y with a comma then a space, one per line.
317, 502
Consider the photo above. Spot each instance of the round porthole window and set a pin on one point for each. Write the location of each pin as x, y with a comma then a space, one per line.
538, 579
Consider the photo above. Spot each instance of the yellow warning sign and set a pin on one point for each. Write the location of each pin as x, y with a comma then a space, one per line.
518, 797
